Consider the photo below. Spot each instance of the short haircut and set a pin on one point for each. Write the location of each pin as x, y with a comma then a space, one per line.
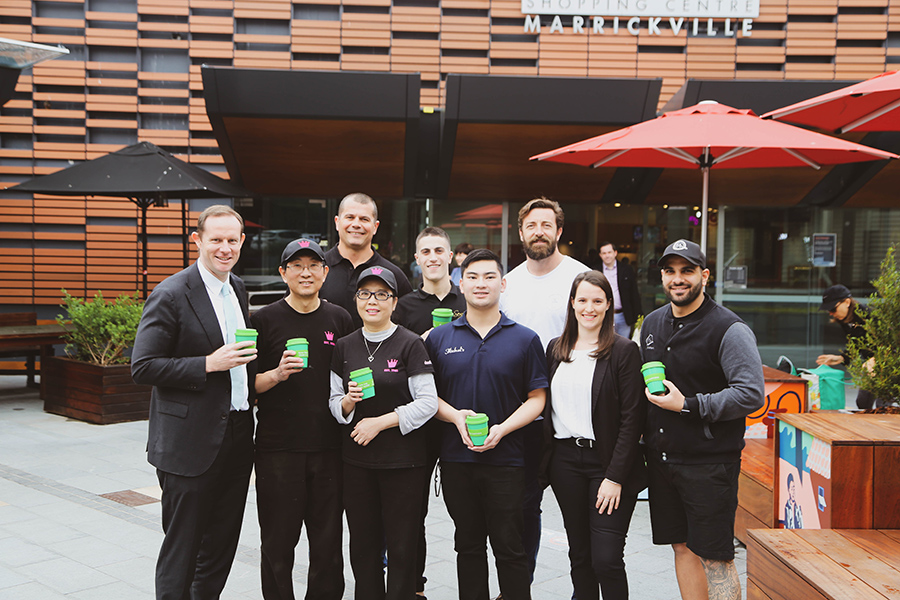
359, 198
434, 232
600, 247
463, 248
218, 210
480, 255
790, 479
543, 202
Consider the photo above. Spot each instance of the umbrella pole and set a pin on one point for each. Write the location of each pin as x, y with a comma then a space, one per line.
704, 208
184, 233
144, 245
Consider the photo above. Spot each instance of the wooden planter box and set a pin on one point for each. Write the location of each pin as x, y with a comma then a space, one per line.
92, 393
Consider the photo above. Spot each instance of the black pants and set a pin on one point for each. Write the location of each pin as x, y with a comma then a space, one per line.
433, 448
293, 488
201, 517
534, 493
382, 507
486, 501
596, 542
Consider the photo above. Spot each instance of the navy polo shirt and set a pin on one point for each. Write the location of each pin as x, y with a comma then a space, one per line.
491, 376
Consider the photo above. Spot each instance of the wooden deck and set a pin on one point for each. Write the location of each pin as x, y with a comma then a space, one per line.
756, 507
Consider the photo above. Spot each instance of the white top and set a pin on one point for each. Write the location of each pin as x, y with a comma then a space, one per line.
571, 393
612, 275
540, 303
214, 289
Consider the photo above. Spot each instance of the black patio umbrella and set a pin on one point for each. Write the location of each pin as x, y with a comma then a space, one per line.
145, 174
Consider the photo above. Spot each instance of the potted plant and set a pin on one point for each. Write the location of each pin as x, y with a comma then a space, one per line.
93, 383
880, 374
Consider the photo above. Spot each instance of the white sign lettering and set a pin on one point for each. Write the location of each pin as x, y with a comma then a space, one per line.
715, 9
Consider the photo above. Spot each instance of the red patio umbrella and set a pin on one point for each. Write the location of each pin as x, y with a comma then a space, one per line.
708, 136
871, 105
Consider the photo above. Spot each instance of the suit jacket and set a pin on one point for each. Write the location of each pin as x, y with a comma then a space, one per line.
619, 411
188, 407
628, 292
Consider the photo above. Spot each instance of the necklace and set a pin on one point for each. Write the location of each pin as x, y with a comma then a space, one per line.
372, 353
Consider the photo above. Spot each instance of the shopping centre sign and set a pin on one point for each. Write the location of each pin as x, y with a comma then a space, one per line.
697, 17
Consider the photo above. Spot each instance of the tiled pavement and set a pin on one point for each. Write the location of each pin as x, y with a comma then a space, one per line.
64, 536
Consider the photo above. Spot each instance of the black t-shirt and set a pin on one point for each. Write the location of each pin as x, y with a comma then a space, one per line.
414, 309
294, 415
398, 358
340, 285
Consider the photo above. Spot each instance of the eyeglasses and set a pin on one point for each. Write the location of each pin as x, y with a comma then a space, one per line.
313, 268
380, 296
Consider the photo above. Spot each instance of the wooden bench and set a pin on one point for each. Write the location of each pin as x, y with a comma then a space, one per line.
29, 353
756, 507
838, 564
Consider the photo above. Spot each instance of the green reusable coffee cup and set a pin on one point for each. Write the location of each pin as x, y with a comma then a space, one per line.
440, 316
654, 372
477, 426
301, 347
363, 378
246, 335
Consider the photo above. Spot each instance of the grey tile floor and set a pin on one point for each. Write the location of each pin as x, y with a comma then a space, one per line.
59, 539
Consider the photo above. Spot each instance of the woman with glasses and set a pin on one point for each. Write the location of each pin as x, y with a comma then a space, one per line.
593, 420
383, 447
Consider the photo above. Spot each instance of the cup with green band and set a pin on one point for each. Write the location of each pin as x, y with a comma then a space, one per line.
301, 347
441, 316
363, 378
654, 373
246, 335
477, 426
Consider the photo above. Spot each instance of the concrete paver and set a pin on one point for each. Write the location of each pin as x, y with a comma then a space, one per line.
59, 539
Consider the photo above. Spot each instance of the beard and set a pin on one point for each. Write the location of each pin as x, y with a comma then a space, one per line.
692, 295
539, 253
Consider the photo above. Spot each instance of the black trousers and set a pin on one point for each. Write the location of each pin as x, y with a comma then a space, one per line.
383, 506
534, 493
596, 542
293, 489
433, 449
486, 501
201, 517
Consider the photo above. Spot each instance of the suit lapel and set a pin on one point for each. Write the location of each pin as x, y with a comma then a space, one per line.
241, 293
600, 371
200, 303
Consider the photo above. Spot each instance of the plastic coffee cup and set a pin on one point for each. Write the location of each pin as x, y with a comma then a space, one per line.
363, 378
477, 426
246, 335
301, 347
654, 373
441, 316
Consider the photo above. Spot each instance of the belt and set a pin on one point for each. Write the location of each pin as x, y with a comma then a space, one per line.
578, 442
619, 310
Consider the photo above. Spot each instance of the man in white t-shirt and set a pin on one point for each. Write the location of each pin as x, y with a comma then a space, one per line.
536, 295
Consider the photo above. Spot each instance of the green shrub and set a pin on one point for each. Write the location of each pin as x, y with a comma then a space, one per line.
100, 331
882, 336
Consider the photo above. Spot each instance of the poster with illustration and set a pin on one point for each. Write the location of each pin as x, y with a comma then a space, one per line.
803, 495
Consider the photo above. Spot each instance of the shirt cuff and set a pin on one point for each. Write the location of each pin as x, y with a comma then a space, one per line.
691, 407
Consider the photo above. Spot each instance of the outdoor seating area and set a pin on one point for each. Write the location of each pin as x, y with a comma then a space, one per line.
21, 337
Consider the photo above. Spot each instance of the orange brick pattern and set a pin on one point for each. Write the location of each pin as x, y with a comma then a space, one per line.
134, 74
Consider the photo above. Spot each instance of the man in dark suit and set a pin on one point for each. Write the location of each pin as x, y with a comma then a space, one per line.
201, 424
626, 296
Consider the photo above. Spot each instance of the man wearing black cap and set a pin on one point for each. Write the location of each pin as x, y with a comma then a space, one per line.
695, 432
851, 316
298, 445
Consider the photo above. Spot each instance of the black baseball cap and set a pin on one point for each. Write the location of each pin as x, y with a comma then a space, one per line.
687, 250
301, 245
833, 296
381, 273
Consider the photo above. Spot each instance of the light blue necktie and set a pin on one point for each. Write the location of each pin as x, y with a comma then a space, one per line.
238, 374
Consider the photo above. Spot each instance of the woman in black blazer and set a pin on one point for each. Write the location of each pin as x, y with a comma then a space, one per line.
593, 421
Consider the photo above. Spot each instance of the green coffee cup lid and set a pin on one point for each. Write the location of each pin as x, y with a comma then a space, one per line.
654, 364
245, 332
360, 372
442, 312
296, 341
476, 419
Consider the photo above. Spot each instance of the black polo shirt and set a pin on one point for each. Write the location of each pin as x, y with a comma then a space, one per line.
414, 309
340, 285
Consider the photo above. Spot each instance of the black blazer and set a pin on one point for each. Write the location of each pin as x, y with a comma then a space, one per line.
188, 407
619, 409
628, 292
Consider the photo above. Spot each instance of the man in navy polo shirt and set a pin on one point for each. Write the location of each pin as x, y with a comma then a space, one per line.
486, 363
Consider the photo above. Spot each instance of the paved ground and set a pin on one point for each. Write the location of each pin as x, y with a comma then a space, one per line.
61, 537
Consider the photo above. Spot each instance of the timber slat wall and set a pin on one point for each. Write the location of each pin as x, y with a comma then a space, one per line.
134, 73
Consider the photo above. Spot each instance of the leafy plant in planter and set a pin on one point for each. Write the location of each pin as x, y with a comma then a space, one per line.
882, 376
101, 331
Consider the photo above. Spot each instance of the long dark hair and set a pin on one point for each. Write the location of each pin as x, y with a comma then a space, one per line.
562, 351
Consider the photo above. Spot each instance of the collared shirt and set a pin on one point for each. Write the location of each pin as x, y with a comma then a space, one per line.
612, 274
340, 285
414, 309
493, 375
214, 289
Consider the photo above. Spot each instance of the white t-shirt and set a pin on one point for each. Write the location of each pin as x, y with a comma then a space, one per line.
539, 303
571, 388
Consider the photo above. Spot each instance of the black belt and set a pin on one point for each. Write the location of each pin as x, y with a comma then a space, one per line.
578, 442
